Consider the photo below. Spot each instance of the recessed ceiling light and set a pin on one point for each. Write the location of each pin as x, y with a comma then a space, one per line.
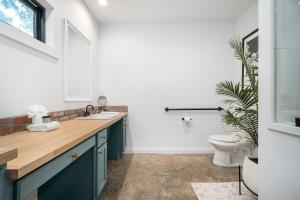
103, 2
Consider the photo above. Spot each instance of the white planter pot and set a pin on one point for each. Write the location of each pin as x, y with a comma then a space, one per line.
250, 174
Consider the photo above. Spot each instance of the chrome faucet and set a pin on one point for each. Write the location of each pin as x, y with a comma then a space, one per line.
87, 113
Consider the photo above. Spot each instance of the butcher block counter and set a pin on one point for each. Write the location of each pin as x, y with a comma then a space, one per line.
34, 149
7, 154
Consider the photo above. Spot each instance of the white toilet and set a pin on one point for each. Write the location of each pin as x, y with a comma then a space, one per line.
230, 149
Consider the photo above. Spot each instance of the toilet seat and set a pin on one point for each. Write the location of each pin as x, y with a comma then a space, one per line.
225, 138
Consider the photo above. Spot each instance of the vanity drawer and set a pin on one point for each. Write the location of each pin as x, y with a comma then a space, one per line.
101, 138
40, 176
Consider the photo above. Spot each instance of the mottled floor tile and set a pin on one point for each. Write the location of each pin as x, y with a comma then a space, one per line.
161, 177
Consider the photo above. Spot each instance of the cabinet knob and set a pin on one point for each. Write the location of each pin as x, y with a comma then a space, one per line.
103, 138
75, 156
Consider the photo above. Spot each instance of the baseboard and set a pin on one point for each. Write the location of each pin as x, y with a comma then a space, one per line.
169, 151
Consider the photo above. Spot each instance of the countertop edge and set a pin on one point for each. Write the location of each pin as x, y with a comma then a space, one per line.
7, 154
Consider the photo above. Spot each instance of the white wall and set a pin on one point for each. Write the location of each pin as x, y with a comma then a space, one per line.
248, 22
279, 158
28, 77
150, 66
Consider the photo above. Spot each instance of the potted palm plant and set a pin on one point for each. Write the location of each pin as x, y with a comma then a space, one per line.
241, 109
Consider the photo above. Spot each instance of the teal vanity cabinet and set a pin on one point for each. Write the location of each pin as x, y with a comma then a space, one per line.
110, 146
116, 137
69, 176
101, 165
78, 174
6, 186
75, 182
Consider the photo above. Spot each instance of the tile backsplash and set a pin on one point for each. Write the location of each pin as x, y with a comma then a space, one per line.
16, 124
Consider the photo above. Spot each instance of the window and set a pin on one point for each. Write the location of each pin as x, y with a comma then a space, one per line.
287, 62
26, 15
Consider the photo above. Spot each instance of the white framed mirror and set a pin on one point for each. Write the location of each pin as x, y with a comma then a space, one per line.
78, 65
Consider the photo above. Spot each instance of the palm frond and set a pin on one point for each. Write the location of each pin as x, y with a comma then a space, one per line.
242, 106
245, 97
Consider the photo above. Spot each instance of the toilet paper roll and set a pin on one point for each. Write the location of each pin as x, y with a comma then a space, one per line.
186, 119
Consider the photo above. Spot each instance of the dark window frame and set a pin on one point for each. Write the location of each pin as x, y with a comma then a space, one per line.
39, 19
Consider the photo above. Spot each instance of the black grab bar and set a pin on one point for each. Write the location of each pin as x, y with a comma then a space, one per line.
178, 109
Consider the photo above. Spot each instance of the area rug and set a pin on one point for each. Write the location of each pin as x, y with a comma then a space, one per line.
221, 191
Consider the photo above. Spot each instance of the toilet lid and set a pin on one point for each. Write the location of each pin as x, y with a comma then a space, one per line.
225, 138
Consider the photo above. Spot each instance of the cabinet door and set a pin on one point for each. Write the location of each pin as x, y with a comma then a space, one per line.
101, 168
115, 141
6, 186
75, 182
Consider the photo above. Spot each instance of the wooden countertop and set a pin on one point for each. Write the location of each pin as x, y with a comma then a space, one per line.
7, 154
37, 148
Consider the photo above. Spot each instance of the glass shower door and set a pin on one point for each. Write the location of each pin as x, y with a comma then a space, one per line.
287, 62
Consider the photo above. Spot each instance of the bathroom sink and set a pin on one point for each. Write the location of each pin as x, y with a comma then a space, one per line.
102, 115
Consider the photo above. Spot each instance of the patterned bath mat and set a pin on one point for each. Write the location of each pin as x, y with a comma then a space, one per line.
221, 191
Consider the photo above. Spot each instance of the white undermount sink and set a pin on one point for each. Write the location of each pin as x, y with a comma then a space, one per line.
102, 115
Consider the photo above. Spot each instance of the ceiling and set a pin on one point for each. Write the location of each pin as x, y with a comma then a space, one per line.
139, 11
